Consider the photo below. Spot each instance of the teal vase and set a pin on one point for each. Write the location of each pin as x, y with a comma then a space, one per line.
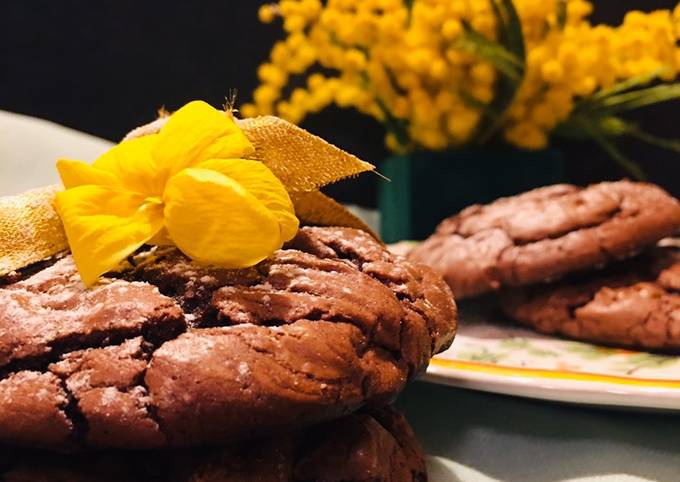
426, 187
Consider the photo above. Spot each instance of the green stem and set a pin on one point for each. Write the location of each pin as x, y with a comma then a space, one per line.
640, 98
670, 144
506, 85
611, 149
624, 85
561, 14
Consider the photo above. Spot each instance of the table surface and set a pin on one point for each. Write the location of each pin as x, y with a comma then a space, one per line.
474, 436
516, 439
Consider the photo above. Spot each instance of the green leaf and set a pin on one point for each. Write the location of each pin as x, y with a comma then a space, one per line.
622, 86
409, 8
670, 144
470, 101
610, 148
639, 98
613, 126
595, 117
602, 129
561, 14
617, 127
398, 127
513, 32
514, 53
497, 55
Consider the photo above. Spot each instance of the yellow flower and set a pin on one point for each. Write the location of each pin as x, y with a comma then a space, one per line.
382, 52
266, 13
552, 71
451, 29
188, 185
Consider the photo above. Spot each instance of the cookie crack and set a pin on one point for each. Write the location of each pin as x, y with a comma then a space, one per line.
78, 418
302, 264
61, 347
573, 307
409, 301
342, 253
287, 367
428, 323
495, 275
614, 214
28, 271
77, 342
74, 414
641, 324
314, 314
151, 409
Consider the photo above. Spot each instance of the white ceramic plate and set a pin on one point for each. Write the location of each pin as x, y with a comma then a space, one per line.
492, 355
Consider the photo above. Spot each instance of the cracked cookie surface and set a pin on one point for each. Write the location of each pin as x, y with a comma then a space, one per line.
546, 233
166, 353
633, 304
373, 445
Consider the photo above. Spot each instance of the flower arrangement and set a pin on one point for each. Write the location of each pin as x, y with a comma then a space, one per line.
187, 185
444, 73
225, 192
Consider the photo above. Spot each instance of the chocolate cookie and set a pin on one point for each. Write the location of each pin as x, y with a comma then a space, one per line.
167, 353
370, 446
545, 233
635, 303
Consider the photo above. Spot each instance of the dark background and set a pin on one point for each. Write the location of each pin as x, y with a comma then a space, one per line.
106, 66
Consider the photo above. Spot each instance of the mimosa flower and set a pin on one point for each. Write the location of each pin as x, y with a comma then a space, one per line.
429, 70
188, 185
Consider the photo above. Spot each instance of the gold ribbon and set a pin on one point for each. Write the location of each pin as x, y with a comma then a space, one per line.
31, 231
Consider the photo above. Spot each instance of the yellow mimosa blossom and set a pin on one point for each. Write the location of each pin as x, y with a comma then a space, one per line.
188, 185
569, 63
410, 64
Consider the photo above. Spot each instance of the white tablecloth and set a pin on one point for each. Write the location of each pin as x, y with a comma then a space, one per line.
29, 147
495, 437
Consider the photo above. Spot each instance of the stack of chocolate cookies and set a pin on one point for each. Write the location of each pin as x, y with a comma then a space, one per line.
588, 263
166, 370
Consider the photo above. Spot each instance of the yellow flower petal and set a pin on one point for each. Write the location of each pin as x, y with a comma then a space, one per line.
78, 173
214, 220
131, 162
104, 225
198, 132
261, 182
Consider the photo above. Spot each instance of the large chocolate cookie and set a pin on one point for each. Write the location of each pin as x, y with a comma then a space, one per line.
370, 446
546, 233
635, 303
171, 354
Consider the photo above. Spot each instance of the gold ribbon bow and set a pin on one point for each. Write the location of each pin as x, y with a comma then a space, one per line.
31, 230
